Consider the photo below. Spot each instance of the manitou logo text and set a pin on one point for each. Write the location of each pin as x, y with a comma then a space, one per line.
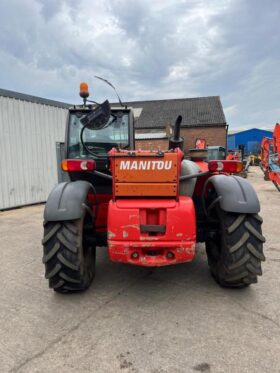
145, 165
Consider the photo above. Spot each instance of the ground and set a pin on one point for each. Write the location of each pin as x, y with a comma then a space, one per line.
173, 319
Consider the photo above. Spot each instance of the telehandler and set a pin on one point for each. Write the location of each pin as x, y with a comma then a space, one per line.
149, 208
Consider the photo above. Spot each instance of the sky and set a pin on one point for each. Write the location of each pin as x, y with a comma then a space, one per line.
149, 49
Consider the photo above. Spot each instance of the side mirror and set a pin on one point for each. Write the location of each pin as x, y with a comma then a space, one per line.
98, 117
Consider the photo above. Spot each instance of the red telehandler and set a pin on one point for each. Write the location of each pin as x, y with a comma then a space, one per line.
149, 208
270, 157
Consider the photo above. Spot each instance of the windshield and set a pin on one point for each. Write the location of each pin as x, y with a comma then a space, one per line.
218, 153
115, 134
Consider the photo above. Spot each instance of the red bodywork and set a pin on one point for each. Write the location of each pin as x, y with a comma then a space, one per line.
276, 140
130, 242
100, 209
266, 147
144, 229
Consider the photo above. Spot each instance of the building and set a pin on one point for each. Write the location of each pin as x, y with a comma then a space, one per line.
251, 139
30, 128
202, 117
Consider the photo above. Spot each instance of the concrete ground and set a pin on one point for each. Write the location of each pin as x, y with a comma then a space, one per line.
173, 319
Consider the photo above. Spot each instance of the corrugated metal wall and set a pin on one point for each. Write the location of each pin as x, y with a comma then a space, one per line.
28, 135
231, 142
251, 138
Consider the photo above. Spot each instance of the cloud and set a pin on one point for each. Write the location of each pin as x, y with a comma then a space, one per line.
231, 110
148, 49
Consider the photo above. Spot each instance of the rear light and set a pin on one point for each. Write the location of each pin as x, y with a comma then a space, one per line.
225, 166
77, 165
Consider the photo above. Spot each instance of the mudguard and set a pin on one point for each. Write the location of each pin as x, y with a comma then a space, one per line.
237, 194
187, 186
67, 201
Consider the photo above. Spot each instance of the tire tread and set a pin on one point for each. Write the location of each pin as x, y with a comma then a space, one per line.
62, 256
240, 249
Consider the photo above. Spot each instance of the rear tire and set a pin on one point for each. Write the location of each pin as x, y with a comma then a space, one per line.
235, 249
69, 254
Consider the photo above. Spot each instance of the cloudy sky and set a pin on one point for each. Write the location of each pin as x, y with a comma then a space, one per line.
149, 49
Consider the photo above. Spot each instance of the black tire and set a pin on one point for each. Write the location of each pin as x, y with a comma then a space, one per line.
69, 254
235, 249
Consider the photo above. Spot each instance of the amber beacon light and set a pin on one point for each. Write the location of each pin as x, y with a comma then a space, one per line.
84, 91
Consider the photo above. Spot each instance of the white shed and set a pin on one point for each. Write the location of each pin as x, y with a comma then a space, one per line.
29, 129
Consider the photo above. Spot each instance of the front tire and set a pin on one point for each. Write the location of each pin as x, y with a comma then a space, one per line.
235, 249
69, 254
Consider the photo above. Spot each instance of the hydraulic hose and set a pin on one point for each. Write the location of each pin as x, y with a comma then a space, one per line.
101, 174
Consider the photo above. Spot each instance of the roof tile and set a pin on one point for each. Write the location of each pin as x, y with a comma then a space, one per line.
200, 111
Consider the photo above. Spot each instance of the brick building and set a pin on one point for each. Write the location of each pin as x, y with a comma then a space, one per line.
202, 117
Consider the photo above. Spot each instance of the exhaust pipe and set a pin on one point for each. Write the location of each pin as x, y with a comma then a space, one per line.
176, 141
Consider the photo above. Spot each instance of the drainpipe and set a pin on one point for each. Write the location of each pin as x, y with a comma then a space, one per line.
226, 135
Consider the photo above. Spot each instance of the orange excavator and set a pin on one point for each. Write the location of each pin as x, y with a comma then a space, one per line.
233, 155
270, 157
